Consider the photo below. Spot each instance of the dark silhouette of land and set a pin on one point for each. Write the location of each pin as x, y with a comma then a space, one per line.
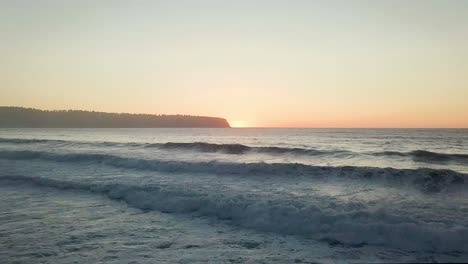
19, 117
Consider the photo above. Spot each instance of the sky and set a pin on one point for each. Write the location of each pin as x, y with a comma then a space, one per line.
257, 63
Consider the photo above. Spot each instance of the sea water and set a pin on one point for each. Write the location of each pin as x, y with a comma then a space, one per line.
233, 195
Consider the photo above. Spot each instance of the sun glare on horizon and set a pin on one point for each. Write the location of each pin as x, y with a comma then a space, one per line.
238, 124
345, 63
246, 131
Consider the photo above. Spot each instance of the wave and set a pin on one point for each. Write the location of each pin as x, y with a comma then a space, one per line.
423, 156
349, 224
195, 146
29, 141
239, 148
21, 141
424, 179
205, 147
427, 156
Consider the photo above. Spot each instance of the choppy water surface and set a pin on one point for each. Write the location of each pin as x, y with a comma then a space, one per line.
233, 195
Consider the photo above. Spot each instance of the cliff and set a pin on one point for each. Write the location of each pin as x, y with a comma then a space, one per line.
19, 117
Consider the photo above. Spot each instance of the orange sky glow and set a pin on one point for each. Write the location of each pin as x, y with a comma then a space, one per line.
255, 63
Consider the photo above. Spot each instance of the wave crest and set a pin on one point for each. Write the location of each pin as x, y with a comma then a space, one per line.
423, 156
424, 179
28, 141
205, 147
352, 226
428, 156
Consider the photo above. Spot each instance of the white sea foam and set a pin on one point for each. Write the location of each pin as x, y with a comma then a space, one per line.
359, 191
352, 226
238, 149
424, 179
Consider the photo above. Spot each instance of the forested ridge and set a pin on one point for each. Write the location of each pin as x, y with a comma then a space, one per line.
14, 117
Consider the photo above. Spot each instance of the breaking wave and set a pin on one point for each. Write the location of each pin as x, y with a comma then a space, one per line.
205, 147
238, 149
194, 146
424, 179
350, 225
427, 156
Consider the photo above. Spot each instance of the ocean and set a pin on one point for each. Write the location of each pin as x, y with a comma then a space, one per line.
233, 195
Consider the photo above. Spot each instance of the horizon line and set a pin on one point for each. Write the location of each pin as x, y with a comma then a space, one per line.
252, 127
274, 127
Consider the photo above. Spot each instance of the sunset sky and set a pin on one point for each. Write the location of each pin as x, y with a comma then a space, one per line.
265, 63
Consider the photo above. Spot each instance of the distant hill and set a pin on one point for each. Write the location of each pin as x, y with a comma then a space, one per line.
19, 117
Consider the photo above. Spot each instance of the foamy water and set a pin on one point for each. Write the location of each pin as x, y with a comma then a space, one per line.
233, 195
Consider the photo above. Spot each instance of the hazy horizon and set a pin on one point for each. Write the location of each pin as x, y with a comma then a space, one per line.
243, 131
233, 126
323, 64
